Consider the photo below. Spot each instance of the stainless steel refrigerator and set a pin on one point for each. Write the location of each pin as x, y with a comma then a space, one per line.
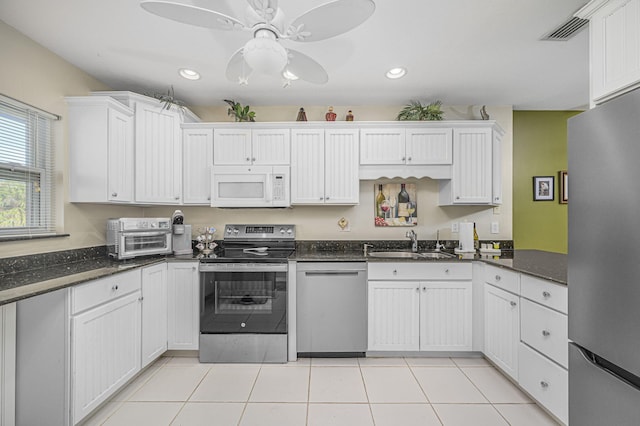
604, 264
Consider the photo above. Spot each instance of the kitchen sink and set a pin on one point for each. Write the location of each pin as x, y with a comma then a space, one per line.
410, 255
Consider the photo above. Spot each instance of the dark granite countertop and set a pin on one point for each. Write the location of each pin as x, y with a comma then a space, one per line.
46, 273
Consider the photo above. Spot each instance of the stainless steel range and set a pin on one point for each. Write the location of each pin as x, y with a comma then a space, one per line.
243, 293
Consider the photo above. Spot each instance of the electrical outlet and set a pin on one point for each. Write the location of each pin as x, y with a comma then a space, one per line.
496, 210
495, 227
455, 227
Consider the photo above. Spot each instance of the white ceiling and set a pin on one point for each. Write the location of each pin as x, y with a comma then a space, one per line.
463, 52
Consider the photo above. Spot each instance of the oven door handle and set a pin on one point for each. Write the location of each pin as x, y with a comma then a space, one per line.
240, 267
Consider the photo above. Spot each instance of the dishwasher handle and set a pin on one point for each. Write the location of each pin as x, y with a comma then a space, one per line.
332, 273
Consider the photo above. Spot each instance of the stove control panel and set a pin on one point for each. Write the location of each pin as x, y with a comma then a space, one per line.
260, 232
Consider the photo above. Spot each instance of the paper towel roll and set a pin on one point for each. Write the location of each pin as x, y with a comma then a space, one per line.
465, 245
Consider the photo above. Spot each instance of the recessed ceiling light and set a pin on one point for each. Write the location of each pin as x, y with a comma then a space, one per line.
398, 72
189, 74
289, 75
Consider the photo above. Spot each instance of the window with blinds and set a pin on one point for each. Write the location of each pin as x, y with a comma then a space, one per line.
26, 169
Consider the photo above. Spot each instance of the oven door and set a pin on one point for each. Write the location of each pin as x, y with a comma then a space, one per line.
241, 298
134, 244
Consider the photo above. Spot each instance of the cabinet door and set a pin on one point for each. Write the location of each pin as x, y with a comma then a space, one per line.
382, 146
502, 328
615, 49
307, 167
183, 298
197, 151
120, 152
341, 183
7, 364
429, 146
158, 161
472, 171
232, 147
270, 147
496, 168
445, 316
154, 312
105, 352
394, 316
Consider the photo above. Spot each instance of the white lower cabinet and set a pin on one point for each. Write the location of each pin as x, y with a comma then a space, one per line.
544, 380
154, 312
7, 364
502, 328
105, 341
429, 313
183, 313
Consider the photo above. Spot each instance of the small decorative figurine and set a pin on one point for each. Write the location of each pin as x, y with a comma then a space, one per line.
483, 112
330, 115
302, 116
349, 116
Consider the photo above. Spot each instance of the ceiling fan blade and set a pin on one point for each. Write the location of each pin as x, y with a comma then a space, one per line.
192, 15
306, 68
266, 9
330, 19
238, 70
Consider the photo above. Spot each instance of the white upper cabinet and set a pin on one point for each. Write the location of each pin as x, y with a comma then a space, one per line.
100, 128
158, 159
242, 146
324, 169
197, 157
475, 179
614, 31
414, 146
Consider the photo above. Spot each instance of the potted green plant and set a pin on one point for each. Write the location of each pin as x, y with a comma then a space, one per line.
239, 112
415, 111
169, 100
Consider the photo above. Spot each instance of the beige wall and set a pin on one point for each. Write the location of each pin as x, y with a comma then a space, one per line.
37, 76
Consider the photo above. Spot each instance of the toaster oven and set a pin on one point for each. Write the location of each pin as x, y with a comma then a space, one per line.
130, 237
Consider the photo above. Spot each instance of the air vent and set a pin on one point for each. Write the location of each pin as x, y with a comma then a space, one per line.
567, 30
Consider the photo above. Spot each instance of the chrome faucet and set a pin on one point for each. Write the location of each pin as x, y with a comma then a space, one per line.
438, 245
414, 240
365, 247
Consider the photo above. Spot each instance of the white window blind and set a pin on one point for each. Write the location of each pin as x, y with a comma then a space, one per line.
26, 169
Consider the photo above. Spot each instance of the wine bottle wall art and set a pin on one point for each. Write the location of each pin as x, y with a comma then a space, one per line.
395, 204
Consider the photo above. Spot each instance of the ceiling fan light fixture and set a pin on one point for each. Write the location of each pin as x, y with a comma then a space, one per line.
395, 73
289, 75
189, 74
264, 54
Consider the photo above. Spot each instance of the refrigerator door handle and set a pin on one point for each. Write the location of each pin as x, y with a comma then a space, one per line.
604, 365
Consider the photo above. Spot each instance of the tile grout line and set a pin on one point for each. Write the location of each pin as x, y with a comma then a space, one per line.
364, 385
485, 396
425, 393
246, 404
306, 418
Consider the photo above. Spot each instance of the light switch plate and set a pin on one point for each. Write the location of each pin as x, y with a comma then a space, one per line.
455, 227
495, 227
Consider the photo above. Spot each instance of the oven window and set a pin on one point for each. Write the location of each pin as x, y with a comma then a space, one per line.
243, 302
133, 242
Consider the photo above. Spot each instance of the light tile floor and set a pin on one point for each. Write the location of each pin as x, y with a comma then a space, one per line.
322, 392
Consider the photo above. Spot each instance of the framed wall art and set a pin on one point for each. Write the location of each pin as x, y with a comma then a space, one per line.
563, 182
395, 204
543, 188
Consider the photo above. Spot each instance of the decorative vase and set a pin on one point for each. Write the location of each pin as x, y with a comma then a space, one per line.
330, 115
302, 116
349, 116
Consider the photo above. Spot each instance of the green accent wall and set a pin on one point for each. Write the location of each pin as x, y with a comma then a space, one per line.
539, 149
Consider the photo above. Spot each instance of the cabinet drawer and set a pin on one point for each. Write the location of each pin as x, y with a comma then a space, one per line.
97, 292
547, 382
502, 278
418, 271
545, 292
545, 330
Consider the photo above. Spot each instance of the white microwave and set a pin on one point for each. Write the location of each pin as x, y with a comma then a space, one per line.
250, 186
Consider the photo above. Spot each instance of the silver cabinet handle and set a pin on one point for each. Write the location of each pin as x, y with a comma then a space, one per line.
457, 197
409, 159
140, 299
326, 198
513, 303
546, 333
114, 194
544, 384
209, 198
321, 198
546, 294
115, 287
253, 159
446, 271
498, 277
177, 197
418, 289
404, 158
424, 288
395, 271
248, 158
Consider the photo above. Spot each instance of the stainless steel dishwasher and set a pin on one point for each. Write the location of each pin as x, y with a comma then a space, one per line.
331, 308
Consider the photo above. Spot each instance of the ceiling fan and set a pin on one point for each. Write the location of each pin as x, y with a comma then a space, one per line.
264, 53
